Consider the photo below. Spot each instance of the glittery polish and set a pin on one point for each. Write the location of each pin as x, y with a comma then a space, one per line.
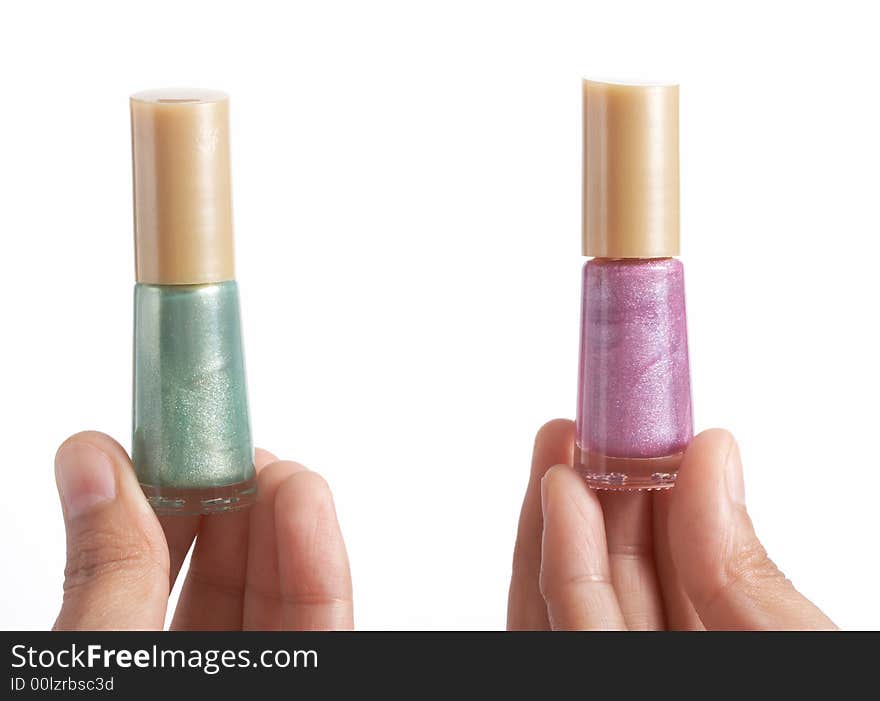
191, 440
634, 416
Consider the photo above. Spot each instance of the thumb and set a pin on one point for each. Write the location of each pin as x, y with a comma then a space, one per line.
117, 560
723, 567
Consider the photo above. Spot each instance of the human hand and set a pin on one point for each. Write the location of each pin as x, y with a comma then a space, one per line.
681, 559
279, 565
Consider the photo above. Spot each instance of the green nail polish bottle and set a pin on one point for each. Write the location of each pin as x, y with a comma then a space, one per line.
191, 440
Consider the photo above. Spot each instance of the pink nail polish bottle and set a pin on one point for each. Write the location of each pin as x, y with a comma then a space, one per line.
634, 416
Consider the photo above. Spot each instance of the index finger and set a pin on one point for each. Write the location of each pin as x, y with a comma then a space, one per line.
526, 608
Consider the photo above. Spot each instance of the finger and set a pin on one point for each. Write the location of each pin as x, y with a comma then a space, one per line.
575, 572
117, 561
212, 597
262, 598
723, 567
312, 562
263, 458
180, 531
680, 612
526, 608
630, 536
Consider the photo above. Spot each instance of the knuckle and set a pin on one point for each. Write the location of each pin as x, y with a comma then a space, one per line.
99, 553
750, 570
751, 566
554, 587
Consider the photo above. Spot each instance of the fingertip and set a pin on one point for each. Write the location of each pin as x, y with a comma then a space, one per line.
564, 491
554, 442
274, 473
716, 433
704, 465
98, 441
303, 490
555, 428
262, 458
713, 444
559, 477
92, 468
554, 431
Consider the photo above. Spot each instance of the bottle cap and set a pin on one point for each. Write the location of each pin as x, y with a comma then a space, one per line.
182, 190
630, 201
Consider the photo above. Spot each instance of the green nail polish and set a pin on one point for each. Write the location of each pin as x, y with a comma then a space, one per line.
191, 442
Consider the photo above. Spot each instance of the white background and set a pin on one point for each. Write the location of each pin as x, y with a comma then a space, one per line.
407, 193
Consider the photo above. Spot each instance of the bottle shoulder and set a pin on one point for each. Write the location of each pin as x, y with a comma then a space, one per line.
228, 289
640, 263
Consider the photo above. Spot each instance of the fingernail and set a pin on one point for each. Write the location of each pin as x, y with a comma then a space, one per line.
85, 477
733, 476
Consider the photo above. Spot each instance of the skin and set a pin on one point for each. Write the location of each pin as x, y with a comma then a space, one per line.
682, 559
280, 565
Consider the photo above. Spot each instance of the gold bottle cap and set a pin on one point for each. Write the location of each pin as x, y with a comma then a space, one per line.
182, 190
630, 204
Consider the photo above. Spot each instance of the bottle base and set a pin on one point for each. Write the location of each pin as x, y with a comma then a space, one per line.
208, 500
627, 474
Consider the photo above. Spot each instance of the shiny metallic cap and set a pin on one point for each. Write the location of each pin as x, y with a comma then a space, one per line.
631, 201
182, 189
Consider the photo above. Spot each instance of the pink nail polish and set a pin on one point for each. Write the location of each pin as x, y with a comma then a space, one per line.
634, 406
